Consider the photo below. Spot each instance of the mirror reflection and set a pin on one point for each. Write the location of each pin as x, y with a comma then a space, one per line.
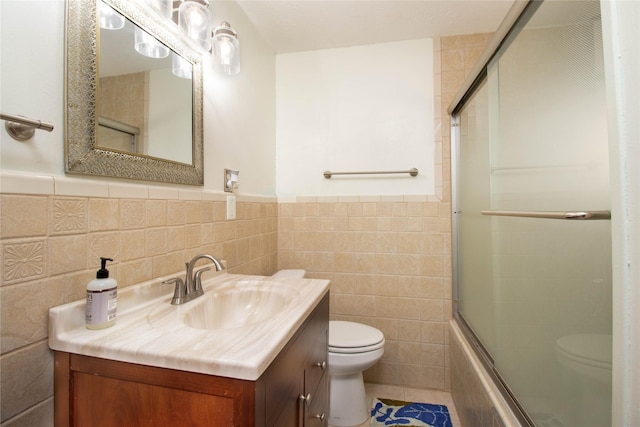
144, 104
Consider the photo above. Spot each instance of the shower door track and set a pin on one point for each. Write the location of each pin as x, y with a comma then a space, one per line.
487, 361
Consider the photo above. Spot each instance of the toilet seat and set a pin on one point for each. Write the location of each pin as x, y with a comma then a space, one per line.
351, 337
588, 349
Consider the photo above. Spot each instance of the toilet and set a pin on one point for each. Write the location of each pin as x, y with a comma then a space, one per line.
586, 362
289, 274
353, 347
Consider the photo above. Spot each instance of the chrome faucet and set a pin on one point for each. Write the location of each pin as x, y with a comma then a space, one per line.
191, 287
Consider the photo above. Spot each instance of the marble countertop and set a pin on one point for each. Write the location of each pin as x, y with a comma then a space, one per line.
149, 329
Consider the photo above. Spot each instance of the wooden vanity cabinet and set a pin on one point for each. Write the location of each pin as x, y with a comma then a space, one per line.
297, 383
292, 392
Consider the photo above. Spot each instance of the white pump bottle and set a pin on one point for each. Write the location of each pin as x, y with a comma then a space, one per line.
102, 299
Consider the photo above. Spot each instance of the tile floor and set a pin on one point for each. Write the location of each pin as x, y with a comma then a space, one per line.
412, 395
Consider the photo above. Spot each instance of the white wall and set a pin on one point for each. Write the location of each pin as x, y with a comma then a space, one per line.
169, 115
356, 109
240, 115
239, 112
31, 81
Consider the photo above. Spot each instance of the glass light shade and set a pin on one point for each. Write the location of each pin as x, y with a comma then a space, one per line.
109, 18
195, 20
145, 43
180, 67
163, 7
226, 49
148, 45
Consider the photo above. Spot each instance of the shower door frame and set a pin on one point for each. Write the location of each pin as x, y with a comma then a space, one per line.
516, 19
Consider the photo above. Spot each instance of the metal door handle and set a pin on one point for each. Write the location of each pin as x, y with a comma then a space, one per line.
570, 215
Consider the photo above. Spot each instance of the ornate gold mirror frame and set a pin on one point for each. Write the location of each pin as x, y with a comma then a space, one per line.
82, 156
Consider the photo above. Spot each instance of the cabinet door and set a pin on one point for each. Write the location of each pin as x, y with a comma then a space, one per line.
316, 413
291, 403
316, 364
284, 382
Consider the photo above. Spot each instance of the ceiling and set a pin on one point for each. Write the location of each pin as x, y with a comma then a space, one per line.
302, 25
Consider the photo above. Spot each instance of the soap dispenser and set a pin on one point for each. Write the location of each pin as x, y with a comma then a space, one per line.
102, 299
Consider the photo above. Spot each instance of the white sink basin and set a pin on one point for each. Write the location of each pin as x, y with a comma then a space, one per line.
236, 329
238, 304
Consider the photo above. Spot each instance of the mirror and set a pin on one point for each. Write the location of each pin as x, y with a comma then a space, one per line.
128, 116
142, 107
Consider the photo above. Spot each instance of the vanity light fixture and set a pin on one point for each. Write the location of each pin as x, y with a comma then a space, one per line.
226, 49
148, 45
109, 18
145, 43
194, 19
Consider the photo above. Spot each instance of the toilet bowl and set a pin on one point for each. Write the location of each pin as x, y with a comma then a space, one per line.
586, 355
353, 347
586, 361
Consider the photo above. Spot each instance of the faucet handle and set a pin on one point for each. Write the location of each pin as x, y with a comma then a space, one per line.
180, 292
197, 287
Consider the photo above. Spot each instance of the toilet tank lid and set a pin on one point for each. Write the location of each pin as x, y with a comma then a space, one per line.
352, 335
596, 347
289, 273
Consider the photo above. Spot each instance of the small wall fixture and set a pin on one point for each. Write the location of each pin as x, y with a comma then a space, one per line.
21, 128
231, 180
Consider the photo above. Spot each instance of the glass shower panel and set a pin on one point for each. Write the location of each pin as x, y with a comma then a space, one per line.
474, 231
537, 292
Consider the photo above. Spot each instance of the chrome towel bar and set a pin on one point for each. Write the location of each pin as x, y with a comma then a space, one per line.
21, 128
329, 174
571, 215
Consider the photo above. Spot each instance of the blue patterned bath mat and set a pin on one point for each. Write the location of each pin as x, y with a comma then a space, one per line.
390, 413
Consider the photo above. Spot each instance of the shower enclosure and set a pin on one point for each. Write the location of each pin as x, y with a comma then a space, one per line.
532, 245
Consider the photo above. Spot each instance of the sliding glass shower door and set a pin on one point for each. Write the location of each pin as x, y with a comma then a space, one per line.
532, 205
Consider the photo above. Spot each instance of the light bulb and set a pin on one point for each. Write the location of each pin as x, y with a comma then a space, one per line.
225, 47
